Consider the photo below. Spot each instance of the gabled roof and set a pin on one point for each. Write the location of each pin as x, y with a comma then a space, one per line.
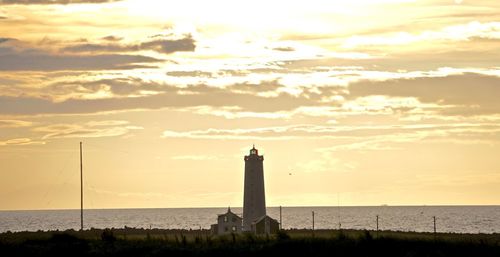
262, 218
228, 213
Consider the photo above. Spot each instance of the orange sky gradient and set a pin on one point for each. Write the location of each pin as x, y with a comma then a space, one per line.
351, 102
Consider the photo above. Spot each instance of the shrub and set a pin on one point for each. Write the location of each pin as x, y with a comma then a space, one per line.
367, 236
108, 236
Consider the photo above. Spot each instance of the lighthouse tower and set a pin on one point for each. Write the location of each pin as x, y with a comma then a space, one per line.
254, 197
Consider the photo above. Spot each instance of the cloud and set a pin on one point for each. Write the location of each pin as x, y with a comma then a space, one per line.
94, 47
462, 32
91, 129
189, 74
8, 84
163, 45
434, 92
264, 86
47, 62
16, 56
120, 87
464, 55
20, 141
234, 112
168, 46
467, 133
15, 123
356, 137
112, 38
467, 94
326, 162
107, 123
3, 15
284, 49
230, 134
165, 96
6, 2
377, 143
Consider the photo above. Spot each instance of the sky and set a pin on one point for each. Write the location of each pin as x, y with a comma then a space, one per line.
355, 102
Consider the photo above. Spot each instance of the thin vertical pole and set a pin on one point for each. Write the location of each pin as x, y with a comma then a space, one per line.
338, 209
434, 217
377, 225
81, 188
313, 223
281, 223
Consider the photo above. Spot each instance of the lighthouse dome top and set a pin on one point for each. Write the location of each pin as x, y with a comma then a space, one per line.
254, 151
254, 155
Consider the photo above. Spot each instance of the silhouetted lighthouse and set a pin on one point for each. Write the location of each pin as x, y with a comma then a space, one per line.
254, 198
255, 219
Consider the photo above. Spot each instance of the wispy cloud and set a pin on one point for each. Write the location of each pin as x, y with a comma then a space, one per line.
19, 56
20, 141
88, 130
467, 94
15, 123
463, 32
373, 136
161, 45
447, 92
47, 62
6, 2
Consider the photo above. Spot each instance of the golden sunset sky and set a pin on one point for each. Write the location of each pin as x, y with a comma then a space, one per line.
354, 102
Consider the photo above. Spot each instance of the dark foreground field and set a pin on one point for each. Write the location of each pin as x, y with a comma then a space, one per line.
156, 242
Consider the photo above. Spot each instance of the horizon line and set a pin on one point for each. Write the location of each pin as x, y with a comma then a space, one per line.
283, 206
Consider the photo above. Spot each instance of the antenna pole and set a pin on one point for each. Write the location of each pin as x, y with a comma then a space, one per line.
281, 223
81, 188
434, 218
338, 209
313, 224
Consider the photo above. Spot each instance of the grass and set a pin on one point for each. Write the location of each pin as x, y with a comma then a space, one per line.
159, 242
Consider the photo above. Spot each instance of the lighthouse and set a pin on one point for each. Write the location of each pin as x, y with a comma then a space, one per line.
254, 219
254, 197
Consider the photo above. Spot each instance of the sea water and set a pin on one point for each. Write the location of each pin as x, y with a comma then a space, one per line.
457, 219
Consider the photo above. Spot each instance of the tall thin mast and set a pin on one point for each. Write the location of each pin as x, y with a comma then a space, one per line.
81, 188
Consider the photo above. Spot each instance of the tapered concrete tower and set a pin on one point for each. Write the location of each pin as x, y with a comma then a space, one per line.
254, 197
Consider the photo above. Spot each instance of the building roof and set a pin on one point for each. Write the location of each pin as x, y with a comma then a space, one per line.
229, 212
263, 218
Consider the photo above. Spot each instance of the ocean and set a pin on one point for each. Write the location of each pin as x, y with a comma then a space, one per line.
457, 219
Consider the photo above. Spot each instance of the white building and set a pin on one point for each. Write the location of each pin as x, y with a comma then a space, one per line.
227, 223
